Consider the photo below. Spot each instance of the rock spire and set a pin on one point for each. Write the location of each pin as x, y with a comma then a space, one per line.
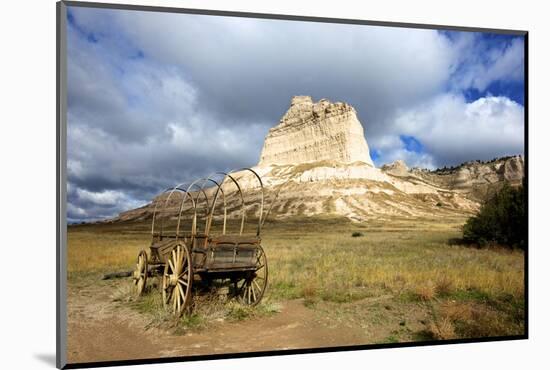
310, 132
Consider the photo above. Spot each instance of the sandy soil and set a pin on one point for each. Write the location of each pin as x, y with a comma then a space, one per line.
102, 329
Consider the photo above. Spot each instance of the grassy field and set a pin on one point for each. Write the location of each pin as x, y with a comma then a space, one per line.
342, 269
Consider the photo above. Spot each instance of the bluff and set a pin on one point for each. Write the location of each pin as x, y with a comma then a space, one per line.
311, 132
316, 161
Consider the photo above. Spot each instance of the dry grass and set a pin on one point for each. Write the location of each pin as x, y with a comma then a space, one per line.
442, 329
444, 286
472, 320
319, 260
426, 291
102, 248
310, 294
456, 311
411, 256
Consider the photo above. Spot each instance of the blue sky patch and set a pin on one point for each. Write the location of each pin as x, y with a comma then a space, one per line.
88, 36
138, 55
411, 144
374, 154
513, 90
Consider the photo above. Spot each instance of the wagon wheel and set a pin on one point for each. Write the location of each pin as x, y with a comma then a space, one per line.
140, 273
250, 290
177, 280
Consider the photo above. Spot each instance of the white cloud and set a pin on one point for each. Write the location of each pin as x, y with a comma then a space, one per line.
453, 130
107, 197
391, 148
247, 69
76, 212
477, 65
90, 205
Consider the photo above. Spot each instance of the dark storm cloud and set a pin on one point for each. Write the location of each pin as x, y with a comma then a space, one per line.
156, 99
246, 69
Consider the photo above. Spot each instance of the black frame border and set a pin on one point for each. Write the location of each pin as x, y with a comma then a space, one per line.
61, 144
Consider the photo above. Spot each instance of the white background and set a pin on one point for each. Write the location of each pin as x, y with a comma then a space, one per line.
27, 263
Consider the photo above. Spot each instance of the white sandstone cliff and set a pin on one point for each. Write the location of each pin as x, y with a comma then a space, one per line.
310, 132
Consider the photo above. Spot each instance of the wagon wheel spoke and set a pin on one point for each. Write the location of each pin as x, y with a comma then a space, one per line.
251, 288
257, 285
254, 293
177, 280
245, 294
243, 285
175, 299
179, 260
251, 294
171, 266
174, 259
140, 273
181, 292
260, 255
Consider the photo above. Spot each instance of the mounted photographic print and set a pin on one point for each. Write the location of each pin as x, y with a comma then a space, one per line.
235, 184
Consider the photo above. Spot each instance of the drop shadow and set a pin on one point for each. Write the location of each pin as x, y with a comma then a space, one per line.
47, 358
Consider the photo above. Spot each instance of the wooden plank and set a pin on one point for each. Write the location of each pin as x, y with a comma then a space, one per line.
225, 269
236, 239
230, 265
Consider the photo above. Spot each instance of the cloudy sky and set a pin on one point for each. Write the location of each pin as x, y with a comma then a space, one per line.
155, 99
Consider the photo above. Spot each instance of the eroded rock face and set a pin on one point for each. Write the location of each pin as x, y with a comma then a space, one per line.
397, 168
472, 174
310, 132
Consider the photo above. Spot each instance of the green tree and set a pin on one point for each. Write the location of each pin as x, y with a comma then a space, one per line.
502, 219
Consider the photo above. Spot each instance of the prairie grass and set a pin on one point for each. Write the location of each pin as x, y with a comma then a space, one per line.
109, 247
474, 292
400, 256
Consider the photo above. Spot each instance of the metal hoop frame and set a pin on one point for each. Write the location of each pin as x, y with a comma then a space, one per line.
194, 196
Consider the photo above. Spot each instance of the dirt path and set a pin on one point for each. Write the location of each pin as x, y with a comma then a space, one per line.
100, 329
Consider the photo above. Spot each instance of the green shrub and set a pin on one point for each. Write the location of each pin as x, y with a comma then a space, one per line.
357, 234
501, 220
